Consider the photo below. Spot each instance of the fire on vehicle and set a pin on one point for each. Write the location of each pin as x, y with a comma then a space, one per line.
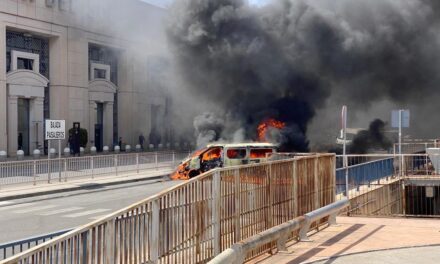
222, 155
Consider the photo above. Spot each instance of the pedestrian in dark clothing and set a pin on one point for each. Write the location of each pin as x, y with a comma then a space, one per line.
20, 141
141, 141
76, 142
120, 142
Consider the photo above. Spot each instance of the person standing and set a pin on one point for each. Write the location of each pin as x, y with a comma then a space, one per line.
76, 139
141, 141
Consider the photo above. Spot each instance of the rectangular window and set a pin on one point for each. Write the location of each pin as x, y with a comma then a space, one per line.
99, 73
25, 64
259, 153
238, 153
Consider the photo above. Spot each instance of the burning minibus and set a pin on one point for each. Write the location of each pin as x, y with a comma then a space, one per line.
222, 155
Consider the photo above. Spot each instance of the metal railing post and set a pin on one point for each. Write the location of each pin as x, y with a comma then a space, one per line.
174, 159
316, 182
216, 196
270, 196
34, 171
237, 231
116, 164
59, 169
345, 165
110, 242
155, 224
295, 190
48, 170
65, 170
137, 163
155, 161
92, 167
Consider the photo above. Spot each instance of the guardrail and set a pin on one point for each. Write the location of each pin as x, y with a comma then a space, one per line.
196, 220
280, 234
365, 172
44, 170
12, 248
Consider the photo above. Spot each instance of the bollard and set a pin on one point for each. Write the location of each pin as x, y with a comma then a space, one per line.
127, 148
138, 148
52, 153
160, 146
105, 149
3, 155
81, 151
66, 152
117, 149
168, 145
20, 154
151, 147
36, 153
93, 150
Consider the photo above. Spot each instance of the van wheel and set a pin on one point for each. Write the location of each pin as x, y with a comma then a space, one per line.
193, 174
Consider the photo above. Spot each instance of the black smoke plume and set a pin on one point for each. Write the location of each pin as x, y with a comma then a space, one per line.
371, 139
284, 60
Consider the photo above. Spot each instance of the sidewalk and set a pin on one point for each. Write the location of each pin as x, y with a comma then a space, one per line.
367, 240
24, 191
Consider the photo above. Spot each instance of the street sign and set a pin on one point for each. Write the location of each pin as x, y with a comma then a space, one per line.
55, 129
395, 118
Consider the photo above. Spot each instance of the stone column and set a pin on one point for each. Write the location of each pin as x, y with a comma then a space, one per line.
3, 90
36, 131
12, 125
92, 122
108, 124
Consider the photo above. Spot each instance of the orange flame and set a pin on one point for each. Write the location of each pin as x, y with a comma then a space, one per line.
265, 125
181, 173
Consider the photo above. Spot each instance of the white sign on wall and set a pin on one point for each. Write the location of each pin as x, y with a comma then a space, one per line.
55, 129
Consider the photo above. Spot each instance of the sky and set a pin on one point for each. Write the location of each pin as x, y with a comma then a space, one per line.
164, 3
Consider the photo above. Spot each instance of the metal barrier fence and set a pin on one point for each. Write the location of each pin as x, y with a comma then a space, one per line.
365, 172
415, 147
196, 220
12, 248
405, 185
35, 171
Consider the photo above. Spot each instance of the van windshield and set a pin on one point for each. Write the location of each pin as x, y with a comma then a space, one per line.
211, 154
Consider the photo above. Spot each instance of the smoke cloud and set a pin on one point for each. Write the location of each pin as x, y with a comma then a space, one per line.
290, 58
373, 138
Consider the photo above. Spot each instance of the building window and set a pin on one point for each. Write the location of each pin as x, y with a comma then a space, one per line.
25, 64
100, 71
22, 43
99, 74
25, 61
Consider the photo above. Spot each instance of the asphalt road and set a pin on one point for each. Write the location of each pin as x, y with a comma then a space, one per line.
23, 218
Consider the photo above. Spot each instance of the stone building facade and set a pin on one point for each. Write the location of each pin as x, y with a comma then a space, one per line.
96, 62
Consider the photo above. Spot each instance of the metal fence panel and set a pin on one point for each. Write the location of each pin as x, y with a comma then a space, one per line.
194, 221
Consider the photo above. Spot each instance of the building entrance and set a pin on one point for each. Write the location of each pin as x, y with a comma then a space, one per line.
23, 125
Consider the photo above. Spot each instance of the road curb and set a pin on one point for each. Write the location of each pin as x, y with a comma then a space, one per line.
77, 188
